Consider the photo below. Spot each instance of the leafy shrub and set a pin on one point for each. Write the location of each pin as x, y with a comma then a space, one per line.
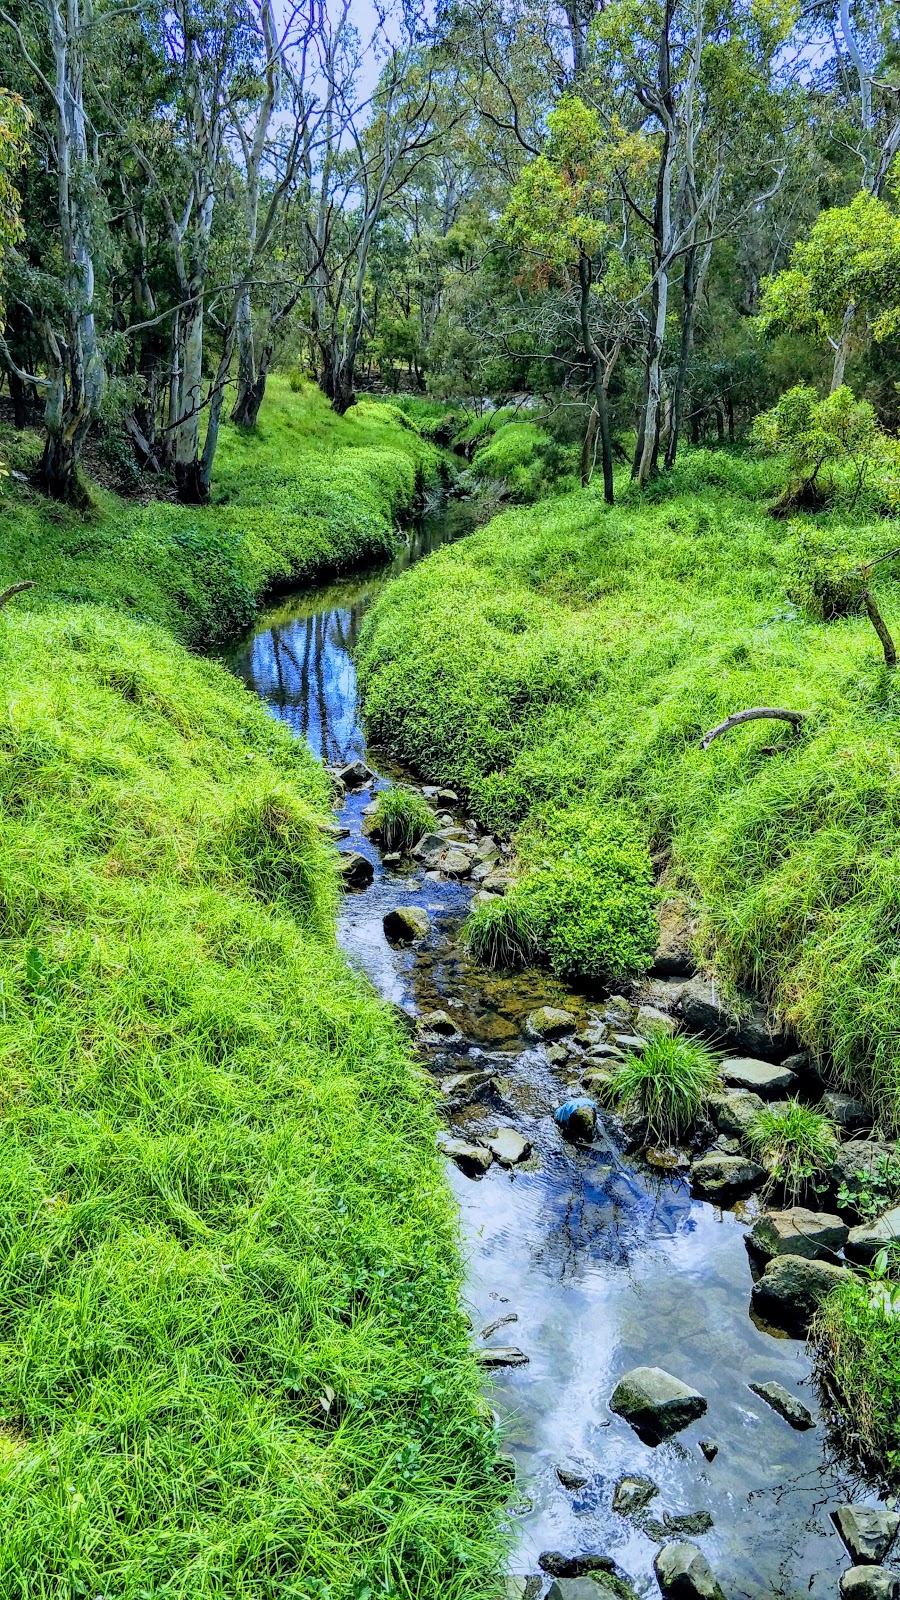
795, 1144
400, 818
296, 381
819, 437
522, 458
668, 1086
825, 582
500, 933
872, 1192
856, 1337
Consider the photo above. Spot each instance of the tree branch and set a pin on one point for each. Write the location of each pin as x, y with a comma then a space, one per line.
752, 715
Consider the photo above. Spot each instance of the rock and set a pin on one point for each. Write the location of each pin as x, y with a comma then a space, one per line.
571, 1480
455, 863
867, 1532
501, 1355
466, 1085
430, 847
556, 1054
656, 1404
549, 1022
860, 1155
355, 775
392, 859
496, 883
722, 1176
509, 1147
439, 1022
791, 1289
709, 1448
557, 1565
865, 1241
786, 1404
704, 1009
604, 1052
597, 1079
633, 1494
683, 1573
677, 931
761, 1077
482, 898
798, 1232
406, 925
870, 1583
688, 1524
472, 1159
844, 1109
486, 848
577, 1589
632, 1043
733, 1112
576, 1120
356, 870
449, 796
648, 1019
482, 871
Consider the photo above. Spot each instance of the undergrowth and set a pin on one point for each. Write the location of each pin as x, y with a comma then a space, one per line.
401, 817
856, 1337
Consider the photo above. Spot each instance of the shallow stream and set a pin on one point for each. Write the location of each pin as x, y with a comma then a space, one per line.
603, 1264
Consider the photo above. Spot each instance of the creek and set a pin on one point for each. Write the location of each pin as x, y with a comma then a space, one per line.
603, 1263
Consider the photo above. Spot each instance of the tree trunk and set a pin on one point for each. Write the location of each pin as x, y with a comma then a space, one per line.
58, 469
585, 274
17, 395
246, 407
250, 396
842, 349
689, 298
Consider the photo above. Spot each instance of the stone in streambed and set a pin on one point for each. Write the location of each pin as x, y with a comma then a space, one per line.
723, 1177
558, 1565
509, 1147
472, 1159
859, 1155
439, 1022
632, 1494
466, 1085
355, 775
656, 1404
818, 1235
356, 870
501, 1355
867, 1531
430, 847
599, 1586
649, 1019
456, 863
761, 1077
683, 1573
709, 1448
632, 1043
570, 1480
792, 1288
406, 925
576, 1120
846, 1110
786, 1404
870, 1583
733, 1111
865, 1241
549, 1022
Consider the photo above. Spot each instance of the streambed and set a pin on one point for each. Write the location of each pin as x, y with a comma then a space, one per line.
603, 1263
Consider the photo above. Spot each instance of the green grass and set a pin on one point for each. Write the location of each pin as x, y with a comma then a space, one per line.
856, 1336
401, 817
233, 1359
796, 1145
500, 933
667, 1086
303, 494
566, 659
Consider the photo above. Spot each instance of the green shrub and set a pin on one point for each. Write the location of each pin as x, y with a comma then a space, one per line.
500, 933
667, 1086
873, 1190
522, 459
401, 817
795, 1144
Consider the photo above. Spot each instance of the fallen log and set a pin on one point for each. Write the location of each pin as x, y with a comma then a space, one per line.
752, 714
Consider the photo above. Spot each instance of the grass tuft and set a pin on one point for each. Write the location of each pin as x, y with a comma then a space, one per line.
401, 817
501, 933
795, 1144
856, 1337
667, 1086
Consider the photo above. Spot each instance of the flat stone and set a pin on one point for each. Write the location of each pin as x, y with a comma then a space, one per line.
481, 871
430, 845
649, 1019
786, 1404
656, 1404
865, 1241
576, 1120
846, 1110
557, 1054
870, 1583
602, 1050
815, 1234
558, 1565
859, 1155
496, 883
633, 1493
406, 925
632, 1043
449, 796
466, 1085
472, 1159
683, 1573
574, 1589
355, 775
722, 1176
549, 1022
509, 1147
456, 863
867, 1531
733, 1112
501, 1355
744, 1072
356, 870
597, 1079
792, 1288
487, 847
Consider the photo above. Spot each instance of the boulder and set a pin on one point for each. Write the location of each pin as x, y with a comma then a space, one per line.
472, 1159
439, 1022
703, 1008
859, 1155
576, 1120
683, 1573
798, 1232
865, 1241
481, 871
786, 1404
760, 1077
509, 1147
577, 1589
844, 1109
656, 1404
733, 1112
633, 1494
722, 1177
406, 925
572, 1480
792, 1288
496, 883
549, 1022
487, 848
870, 1583
677, 931
455, 863
556, 1054
466, 1085
429, 849
355, 775
558, 1565
867, 1532
649, 1019
501, 1355
356, 870
632, 1043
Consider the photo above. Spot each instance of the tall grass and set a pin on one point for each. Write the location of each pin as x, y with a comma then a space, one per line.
501, 933
795, 1144
667, 1086
856, 1336
401, 817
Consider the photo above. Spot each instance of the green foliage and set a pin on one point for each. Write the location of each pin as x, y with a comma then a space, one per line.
500, 933
667, 1086
234, 1360
795, 1144
825, 581
850, 257
870, 1193
812, 434
401, 817
522, 460
856, 1336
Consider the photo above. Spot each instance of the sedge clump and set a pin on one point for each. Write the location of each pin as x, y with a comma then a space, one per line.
668, 1086
795, 1144
401, 817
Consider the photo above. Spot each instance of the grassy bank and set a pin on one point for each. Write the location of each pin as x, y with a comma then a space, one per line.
304, 494
561, 665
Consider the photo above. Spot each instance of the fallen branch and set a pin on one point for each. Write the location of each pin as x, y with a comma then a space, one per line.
15, 588
881, 628
752, 715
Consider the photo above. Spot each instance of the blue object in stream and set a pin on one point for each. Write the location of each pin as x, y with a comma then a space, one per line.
576, 1119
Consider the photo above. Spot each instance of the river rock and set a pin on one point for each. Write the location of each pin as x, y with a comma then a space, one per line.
406, 925
656, 1404
597, 1079
549, 1022
481, 871
576, 1120
683, 1573
439, 1022
708, 1448
677, 932
733, 1111
472, 1159
792, 1288
859, 1155
649, 1019
355, 775
846, 1110
867, 1531
865, 1241
870, 1583
429, 849
815, 1234
455, 863
786, 1404
356, 870
572, 1480
501, 1355
722, 1176
496, 883
509, 1147
466, 1086
704, 1009
558, 1565
487, 847
761, 1077
633, 1494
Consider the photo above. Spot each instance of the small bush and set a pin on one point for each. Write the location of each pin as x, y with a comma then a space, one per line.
795, 1144
870, 1193
668, 1086
826, 582
501, 933
400, 818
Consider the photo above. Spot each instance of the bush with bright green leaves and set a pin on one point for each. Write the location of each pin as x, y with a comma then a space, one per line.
667, 1086
401, 817
831, 446
796, 1145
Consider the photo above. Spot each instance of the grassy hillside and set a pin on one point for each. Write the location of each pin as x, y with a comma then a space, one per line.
305, 493
563, 663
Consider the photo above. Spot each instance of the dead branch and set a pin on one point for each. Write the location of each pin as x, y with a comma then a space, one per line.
15, 588
752, 715
881, 628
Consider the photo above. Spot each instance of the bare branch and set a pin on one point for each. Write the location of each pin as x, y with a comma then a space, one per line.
752, 715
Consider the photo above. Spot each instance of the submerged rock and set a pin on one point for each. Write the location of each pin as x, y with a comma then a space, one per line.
356, 870
761, 1077
509, 1147
466, 1085
683, 1573
406, 925
786, 1404
632, 1494
723, 1176
656, 1404
501, 1355
472, 1159
798, 1232
870, 1583
549, 1022
576, 1120
792, 1288
867, 1531
865, 1241
572, 1480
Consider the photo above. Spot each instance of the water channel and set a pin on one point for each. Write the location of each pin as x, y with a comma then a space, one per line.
603, 1264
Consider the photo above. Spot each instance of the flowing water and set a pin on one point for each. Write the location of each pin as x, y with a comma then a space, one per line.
602, 1264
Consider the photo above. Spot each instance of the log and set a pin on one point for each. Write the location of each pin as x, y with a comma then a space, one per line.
15, 588
752, 715
881, 628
